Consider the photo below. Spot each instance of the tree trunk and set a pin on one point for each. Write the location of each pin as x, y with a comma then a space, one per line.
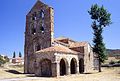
99, 65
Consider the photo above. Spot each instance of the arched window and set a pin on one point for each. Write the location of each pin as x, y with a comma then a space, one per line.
34, 16
63, 67
42, 15
81, 65
73, 66
36, 47
46, 69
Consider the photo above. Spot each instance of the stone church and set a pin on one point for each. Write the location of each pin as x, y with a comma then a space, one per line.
49, 56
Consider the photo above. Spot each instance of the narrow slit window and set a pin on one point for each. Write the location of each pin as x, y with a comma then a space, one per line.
42, 15
35, 15
42, 28
33, 29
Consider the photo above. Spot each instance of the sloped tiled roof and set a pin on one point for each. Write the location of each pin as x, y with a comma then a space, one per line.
78, 44
61, 38
56, 48
61, 43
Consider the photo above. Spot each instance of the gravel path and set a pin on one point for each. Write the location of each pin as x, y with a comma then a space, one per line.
106, 75
82, 77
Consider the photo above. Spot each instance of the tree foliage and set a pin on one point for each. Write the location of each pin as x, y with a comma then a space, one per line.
6, 58
101, 18
20, 55
3, 59
100, 15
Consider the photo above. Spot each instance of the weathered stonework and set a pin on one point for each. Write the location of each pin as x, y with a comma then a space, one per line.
46, 56
38, 38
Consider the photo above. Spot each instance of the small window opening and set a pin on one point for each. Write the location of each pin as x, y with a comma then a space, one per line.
33, 31
34, 16
38, 47
89, 56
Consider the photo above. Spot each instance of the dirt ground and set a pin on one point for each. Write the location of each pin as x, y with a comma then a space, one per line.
108, 74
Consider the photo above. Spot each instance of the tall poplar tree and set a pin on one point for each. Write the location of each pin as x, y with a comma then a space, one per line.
101, 18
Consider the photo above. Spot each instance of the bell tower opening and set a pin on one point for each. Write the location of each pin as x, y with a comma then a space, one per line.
42, 20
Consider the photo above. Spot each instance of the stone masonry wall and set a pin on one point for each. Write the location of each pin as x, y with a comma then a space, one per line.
37, 38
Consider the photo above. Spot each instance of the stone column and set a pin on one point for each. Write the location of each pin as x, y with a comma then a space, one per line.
77, 69
68, 70
58, 69
37, 69
55, 69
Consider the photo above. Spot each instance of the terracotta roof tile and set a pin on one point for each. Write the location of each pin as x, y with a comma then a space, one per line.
64, 38
61, 38
62, 43
60, 49
78, 44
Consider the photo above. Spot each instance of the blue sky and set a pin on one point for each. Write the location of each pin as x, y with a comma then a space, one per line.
71, 20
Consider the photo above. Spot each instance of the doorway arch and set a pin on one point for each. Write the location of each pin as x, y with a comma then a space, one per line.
46, 70
73, 66
63, 67
81, 65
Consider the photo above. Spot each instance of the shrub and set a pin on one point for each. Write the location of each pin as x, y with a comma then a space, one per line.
111, 62
118, 61
2, 61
